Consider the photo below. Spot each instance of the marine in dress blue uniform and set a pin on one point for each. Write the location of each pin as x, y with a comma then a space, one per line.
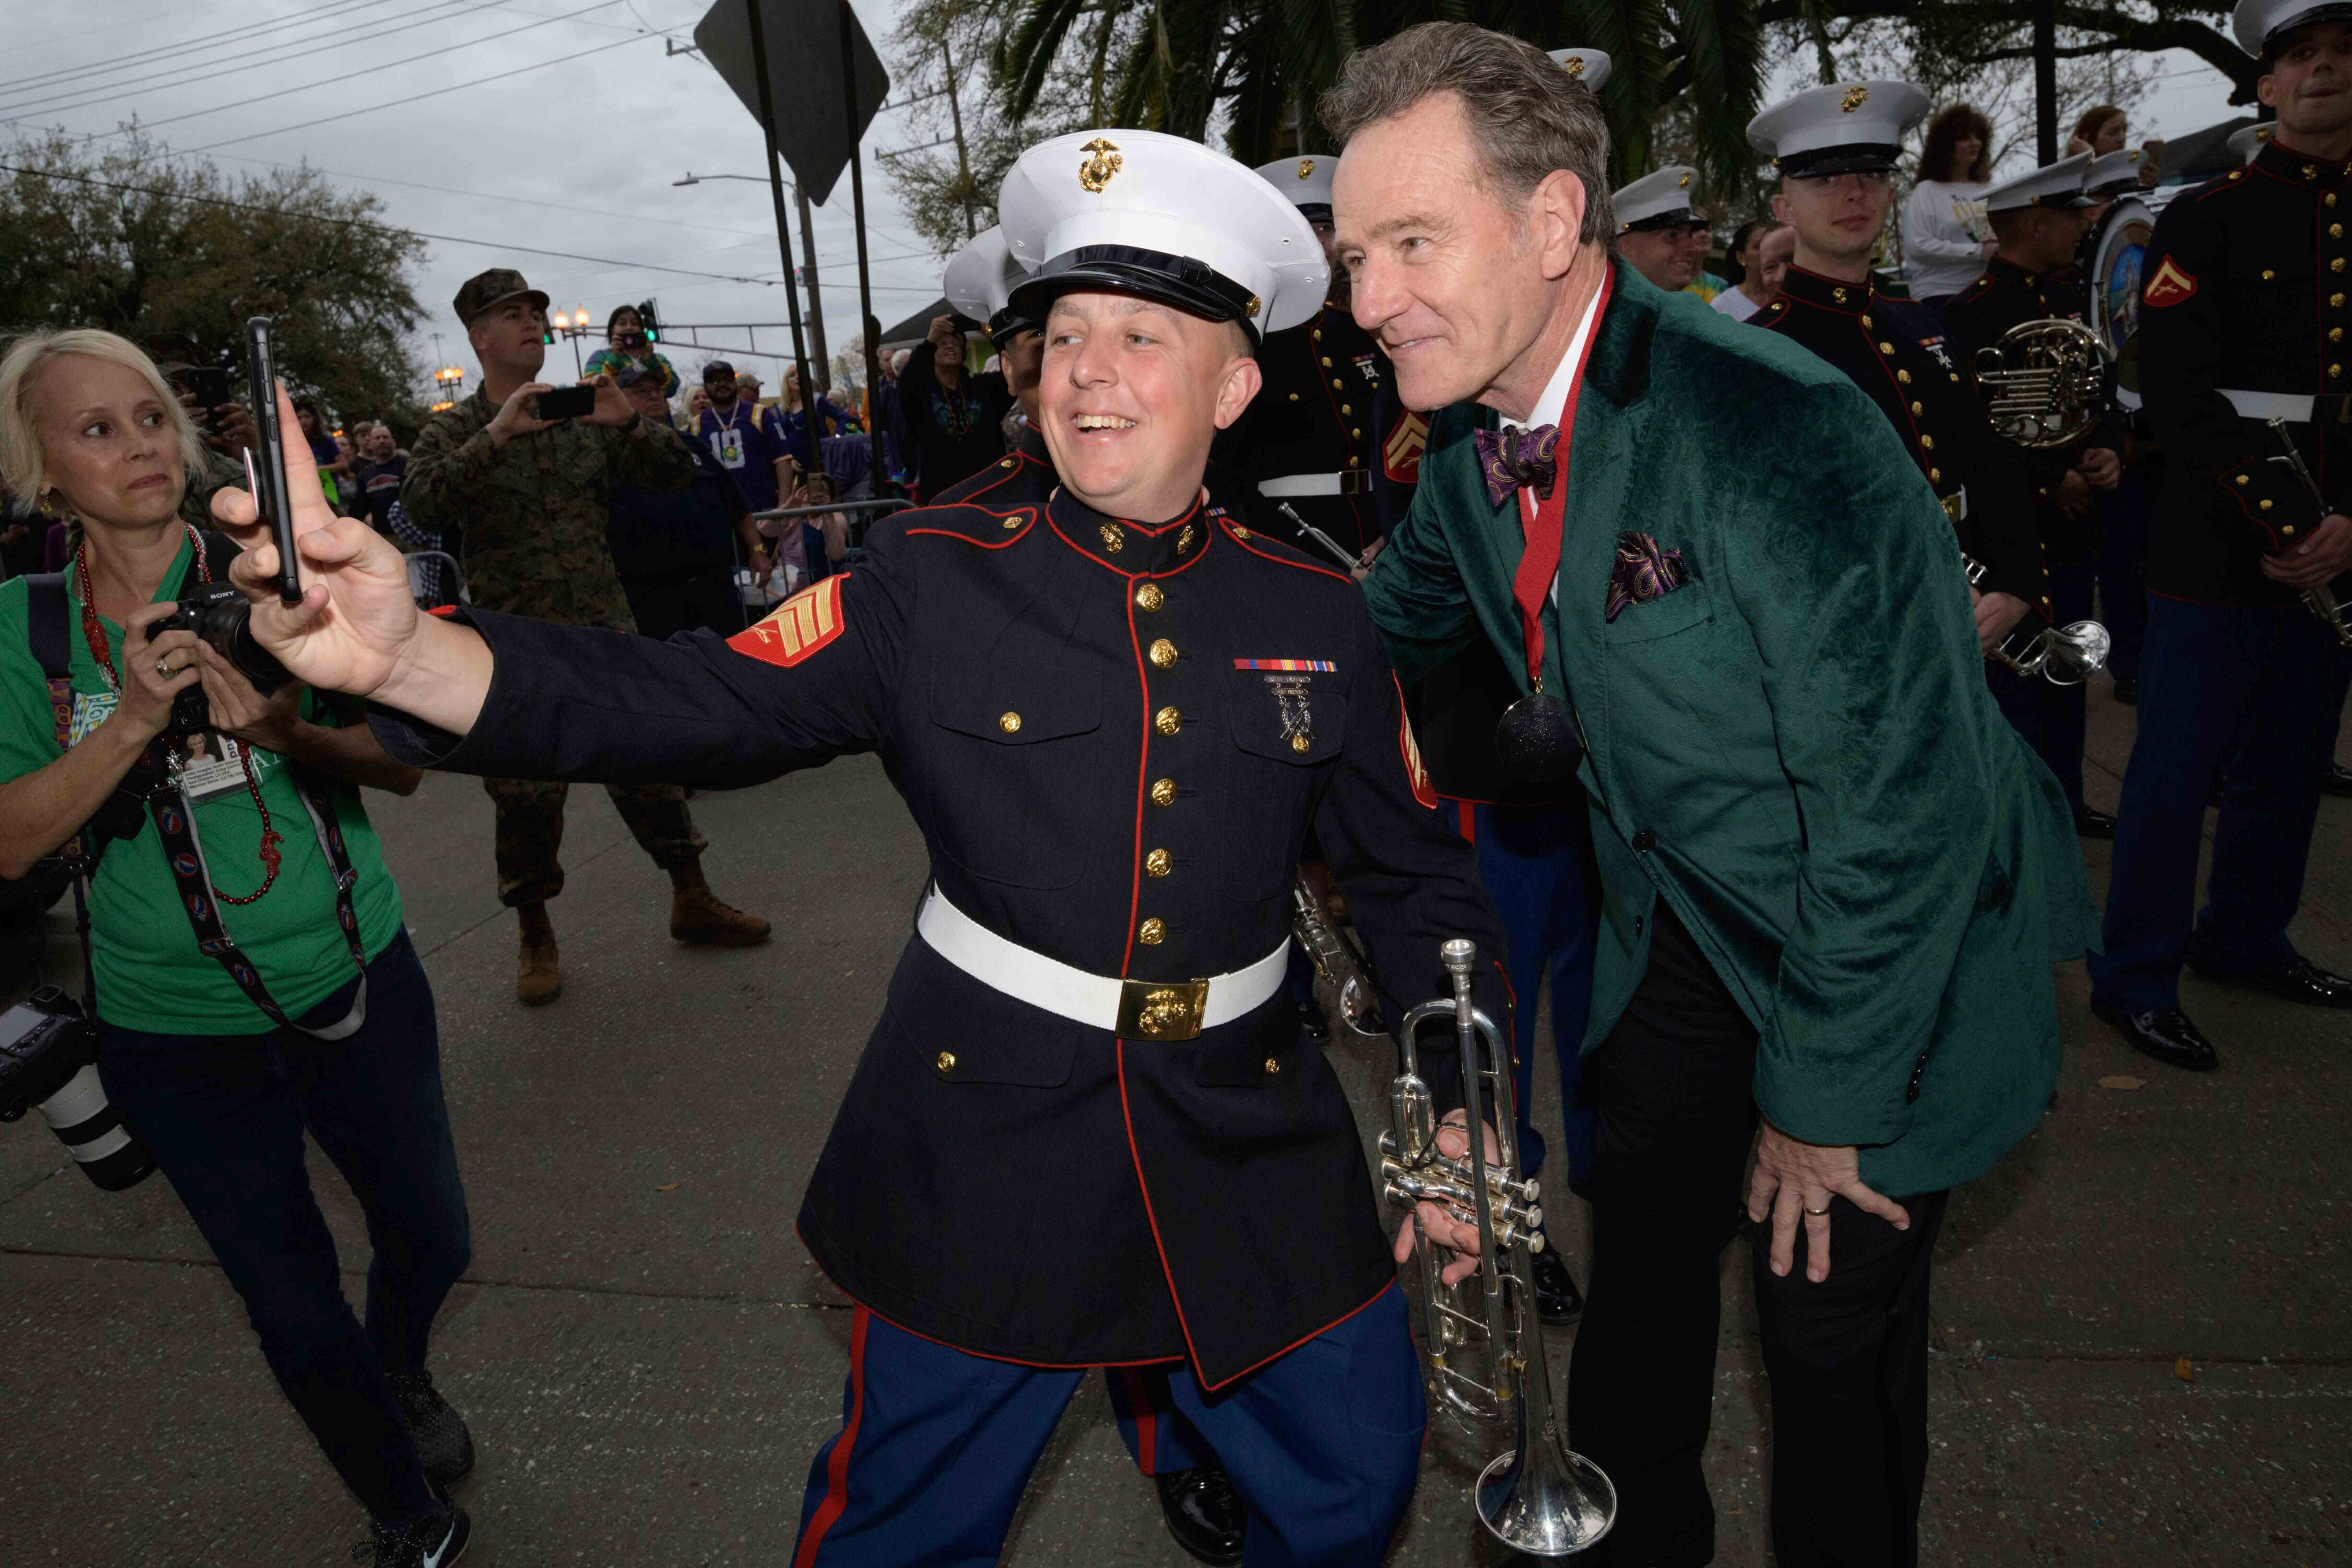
2246, 295
1113, 733
1894, 350
2051, 717
1196, 1495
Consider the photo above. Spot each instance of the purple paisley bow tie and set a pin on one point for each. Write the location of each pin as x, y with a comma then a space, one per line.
1511, 459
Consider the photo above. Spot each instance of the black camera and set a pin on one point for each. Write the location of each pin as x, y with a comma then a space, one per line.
219, 614
48, 1062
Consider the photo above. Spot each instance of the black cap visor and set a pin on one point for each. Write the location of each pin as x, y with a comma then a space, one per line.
1315, 212
1009, 323
1680, 217
1177, 281
1852, 158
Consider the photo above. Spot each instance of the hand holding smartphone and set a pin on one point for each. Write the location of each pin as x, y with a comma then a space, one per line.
566, 403
265, 469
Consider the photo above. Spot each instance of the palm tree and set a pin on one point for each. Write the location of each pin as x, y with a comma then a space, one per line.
1173, 65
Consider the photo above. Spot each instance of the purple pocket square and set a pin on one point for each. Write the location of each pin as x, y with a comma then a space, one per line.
1644, 572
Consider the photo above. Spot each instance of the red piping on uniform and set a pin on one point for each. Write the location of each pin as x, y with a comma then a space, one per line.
1213, 1387
1331, 402
1127, 1119
1147, 1421
837, 1465
1234, 529
1020, 534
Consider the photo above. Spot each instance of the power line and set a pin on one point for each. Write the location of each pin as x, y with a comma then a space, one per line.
69, 96
323, 48
202, 40
420, 97
382, 228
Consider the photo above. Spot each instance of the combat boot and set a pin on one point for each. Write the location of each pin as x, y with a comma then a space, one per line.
695, 915
537, 980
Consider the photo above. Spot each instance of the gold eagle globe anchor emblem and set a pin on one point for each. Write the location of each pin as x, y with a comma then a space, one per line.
1854, 98
1097, 171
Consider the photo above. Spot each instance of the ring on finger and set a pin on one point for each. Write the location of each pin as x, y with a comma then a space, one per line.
163, 668
1818, 1212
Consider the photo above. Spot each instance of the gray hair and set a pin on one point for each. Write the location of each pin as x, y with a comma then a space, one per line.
1528, 117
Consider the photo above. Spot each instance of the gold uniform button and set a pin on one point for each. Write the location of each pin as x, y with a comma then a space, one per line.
1886, 348
2335, 334
1168, 721
1355, 435
1345, 410
2337, 265
2242, 479
2263, 504
1935, 476
1163, 653
1150, 597
1240, 532
1273, 1066
1293, 397
1926, 442
2335, 301
2334, 371
1010, 723
1152, 933
1163, 792
1334, 383
1326, 362
1918, 407
946, 1062
1904, 376
1011, 522
1301, 744
1159, 863
1355, 462
2268, 274
2288, 529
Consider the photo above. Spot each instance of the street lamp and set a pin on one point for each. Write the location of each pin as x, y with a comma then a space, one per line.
575, 327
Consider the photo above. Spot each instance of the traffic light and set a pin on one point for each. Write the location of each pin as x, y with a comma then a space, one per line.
653, 323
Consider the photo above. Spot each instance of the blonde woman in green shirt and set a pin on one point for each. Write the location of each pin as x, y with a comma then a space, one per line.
254, 981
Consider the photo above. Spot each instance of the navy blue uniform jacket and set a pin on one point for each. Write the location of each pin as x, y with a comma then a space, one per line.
1073, 708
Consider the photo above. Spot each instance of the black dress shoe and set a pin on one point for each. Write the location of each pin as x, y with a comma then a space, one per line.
442, 1440
2164, 1033
1204, 1513
2089, 823
2127, 693
2302, 981
2337, 780
1558, 1300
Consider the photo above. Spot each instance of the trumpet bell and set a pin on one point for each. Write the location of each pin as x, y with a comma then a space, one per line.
1555, 1508
2074, 651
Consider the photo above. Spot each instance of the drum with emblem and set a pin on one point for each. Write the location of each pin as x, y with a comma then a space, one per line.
2113, 257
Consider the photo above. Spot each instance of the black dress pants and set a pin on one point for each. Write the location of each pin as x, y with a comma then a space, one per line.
1847, 1358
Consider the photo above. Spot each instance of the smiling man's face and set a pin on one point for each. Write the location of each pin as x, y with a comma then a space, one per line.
1130, 394
2310, 80
1447, 276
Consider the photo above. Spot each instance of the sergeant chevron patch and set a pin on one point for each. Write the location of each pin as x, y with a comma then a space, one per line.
797, 627
2170, 285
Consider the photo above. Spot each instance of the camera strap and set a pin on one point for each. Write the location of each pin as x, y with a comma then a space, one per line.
47, 626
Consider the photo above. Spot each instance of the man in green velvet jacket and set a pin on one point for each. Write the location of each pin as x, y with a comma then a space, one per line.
1835, 883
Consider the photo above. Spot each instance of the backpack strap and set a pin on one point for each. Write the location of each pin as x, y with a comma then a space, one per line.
48, 629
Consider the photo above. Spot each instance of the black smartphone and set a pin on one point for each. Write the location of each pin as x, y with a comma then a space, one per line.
266, 464
208, 383
567, 403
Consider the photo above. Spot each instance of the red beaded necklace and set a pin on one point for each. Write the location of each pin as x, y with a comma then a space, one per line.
95, 636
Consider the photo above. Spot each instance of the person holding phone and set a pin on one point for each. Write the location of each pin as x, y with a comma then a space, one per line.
626, 342
318, 1019
530, 482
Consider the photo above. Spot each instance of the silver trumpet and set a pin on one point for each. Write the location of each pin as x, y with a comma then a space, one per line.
2319, 598
2064, 656
1486, 1345
1358, 1008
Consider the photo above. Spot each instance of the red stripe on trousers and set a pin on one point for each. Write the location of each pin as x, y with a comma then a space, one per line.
836, 1468
1146, 1421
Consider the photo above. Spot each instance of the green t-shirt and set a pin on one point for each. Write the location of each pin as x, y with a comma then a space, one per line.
150, 974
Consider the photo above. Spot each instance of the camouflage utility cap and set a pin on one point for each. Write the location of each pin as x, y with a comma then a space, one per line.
495, 287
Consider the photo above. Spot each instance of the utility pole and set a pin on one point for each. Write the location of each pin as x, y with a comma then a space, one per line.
964, 163
2045, 80
824, 366
776, 186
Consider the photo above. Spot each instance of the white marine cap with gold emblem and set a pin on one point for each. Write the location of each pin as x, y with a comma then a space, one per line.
978, 284
2058, 184
1305, 182
1590, 67
1138, 212
2260, 25
2248, 140
1659, 199
2113, 174
1845, 128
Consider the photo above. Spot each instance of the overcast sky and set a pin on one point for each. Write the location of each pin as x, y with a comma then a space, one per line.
575, 154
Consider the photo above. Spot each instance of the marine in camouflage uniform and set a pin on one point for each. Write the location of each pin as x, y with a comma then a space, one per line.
533, 512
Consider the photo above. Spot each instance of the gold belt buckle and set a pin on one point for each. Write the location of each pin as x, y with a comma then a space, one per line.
1355, 481
1951, 507
1161, 1009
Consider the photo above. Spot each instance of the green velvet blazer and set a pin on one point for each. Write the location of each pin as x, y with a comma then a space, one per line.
1796, 749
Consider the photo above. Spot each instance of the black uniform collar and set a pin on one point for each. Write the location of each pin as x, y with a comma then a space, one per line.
1829, 293
1031, 445
1130, 548
2300, 169
2004, 272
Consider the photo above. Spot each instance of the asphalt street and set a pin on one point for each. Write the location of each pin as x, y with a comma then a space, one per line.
2143, 1338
